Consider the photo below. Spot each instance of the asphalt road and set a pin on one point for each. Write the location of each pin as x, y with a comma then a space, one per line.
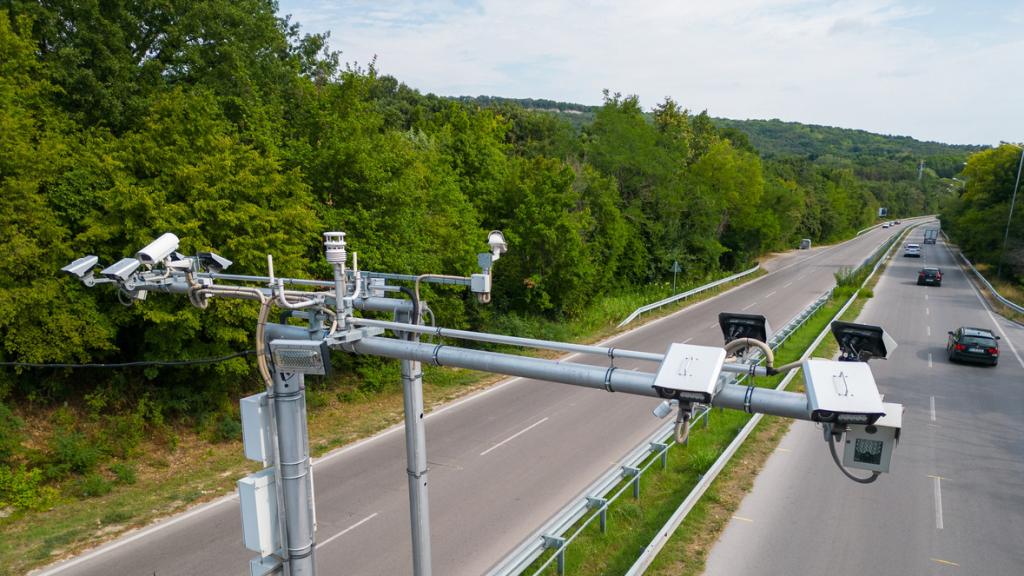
954, 502
502, 462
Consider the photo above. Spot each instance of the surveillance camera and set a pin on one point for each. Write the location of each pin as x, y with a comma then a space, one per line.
213, 262
496, 240
690, 373
735, 326
870, 446
861, 342
158, 249
121, 270
82, 267
841, 392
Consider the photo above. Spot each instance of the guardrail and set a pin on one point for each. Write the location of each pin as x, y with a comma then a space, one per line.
991, 289
687, 294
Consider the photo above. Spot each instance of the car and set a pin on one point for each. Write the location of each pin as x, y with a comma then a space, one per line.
912, 251
805, 244
929, 277
885, 225
973, 345
898, 222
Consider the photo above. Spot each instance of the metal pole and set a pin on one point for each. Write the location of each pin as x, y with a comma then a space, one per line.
416, 460
295, 472
1013, 200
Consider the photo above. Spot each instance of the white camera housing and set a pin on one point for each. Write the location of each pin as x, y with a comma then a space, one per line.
158, 249
122, 270
843, 392
496, 241
690, 373
82, 267
870, 447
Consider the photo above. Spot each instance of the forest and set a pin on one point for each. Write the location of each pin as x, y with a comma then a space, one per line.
221, 121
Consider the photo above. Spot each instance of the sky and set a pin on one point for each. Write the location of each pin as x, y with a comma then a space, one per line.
937, 70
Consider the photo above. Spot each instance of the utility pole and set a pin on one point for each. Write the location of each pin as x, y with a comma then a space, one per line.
1013, 200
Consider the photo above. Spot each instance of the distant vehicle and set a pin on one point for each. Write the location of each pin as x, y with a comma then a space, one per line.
973, 345
929, 277
898, 222
930, 235
886, 225
805, 244
912, 251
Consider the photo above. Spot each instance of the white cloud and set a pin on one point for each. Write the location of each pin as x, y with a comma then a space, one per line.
867, 64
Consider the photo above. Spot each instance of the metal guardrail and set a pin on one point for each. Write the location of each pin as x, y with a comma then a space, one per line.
1011, 305
687, 294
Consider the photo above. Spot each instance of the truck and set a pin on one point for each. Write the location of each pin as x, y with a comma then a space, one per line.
930, 235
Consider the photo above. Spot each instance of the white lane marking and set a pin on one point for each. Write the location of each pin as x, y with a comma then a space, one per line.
927, 311
516, 435
770, 294
932, 402
140, 534
748, 306
985, 306
929, 359
929, 329
687, 340
787, 284
347, 530
713, 325
938, 502
925, 296
742, 519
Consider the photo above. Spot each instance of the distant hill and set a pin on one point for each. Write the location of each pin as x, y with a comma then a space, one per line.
778, 139
775, 138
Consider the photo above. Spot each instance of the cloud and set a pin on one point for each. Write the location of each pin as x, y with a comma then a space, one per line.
871, 64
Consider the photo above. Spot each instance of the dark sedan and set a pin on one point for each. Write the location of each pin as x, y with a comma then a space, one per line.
973, 345
929, 277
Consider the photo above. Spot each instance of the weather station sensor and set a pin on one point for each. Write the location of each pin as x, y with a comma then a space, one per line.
861, 342
690, 373
842, 392
870, 447
735, 326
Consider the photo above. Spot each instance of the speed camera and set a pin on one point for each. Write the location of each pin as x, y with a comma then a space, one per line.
862, 341
870, 446
842, 392
690, 373
735, 326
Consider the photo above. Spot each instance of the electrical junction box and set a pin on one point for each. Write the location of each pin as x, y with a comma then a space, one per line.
256, 437
843, 392
257, 495
870, 447
690, 373
480, 283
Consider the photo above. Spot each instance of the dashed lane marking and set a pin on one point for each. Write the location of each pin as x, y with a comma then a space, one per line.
516, 435
946, 562
742, 519
347, 530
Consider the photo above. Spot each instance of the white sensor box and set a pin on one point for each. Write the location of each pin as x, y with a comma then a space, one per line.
691, 372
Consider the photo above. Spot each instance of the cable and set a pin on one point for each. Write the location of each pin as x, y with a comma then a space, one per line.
682, 430
134, 364
835, 458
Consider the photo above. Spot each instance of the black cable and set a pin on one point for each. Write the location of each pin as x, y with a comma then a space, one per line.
134, 364
415, 308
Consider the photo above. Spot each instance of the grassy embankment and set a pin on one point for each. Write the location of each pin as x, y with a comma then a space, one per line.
168, 476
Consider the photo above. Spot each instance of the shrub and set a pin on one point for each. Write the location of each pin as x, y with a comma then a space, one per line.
22, 488
91, 485
72, 453
10, 434
124, 471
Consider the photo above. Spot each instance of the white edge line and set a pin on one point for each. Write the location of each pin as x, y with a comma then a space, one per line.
516, 435
141, 533
347, 530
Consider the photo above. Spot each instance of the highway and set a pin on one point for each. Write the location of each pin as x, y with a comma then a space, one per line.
954, 502
501, 462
